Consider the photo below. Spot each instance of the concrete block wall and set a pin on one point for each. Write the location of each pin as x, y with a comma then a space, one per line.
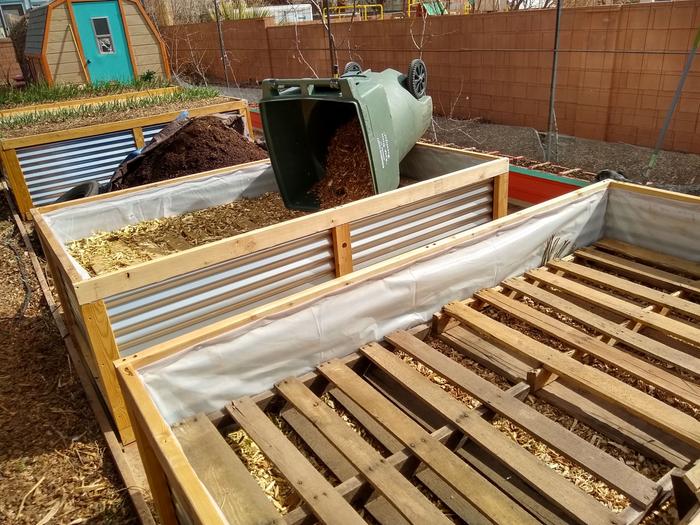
618, 66
9, 68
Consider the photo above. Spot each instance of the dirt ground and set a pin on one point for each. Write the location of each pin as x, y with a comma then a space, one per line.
54, 465
672, 168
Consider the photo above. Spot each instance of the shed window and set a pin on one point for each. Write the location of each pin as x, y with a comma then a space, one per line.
11, 14
103, 35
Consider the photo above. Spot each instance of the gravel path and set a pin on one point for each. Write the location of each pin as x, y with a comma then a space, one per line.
250, 94
672, 168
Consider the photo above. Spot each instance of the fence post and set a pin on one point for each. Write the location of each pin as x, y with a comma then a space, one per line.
18, 185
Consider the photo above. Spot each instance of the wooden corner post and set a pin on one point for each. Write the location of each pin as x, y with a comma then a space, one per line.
15, 178
157, 480
104, 346
500, 196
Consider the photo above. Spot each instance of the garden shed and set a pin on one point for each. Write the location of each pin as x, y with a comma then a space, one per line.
88, 41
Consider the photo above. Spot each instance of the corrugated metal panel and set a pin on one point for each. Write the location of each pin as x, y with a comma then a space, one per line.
397, 231
150, 131
161, 311
52, 169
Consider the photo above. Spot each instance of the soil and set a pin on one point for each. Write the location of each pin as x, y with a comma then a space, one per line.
348, 174
54, 465
108, 116
147, 240
203, 144
674, 170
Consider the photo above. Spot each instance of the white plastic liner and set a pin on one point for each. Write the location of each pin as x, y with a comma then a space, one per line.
82, 220
665, 225
251, 359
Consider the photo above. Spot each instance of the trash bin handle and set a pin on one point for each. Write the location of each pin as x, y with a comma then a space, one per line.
305, 85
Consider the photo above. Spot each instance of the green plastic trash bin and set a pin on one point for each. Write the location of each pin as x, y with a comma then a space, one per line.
301, 115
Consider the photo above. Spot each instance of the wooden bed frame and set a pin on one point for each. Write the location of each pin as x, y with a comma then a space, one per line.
192, 464
10, 147
90, 101
84, 300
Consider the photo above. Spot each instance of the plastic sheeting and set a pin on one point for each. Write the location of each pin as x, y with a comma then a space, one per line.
83, 220
667, 225
251, 359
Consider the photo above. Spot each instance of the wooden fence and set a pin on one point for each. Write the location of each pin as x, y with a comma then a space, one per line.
618, 68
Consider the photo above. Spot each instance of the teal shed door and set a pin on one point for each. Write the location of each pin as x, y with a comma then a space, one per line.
104, 42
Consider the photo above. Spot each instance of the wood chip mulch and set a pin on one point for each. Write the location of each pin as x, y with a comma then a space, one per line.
109, 251
348, 174
54, 465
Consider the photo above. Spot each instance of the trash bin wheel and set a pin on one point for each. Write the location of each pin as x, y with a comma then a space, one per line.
85, 189
417, 80
352, 68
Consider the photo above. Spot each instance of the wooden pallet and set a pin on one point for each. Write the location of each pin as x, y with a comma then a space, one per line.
627, 307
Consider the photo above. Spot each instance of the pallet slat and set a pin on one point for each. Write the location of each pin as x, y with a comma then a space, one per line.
622, 285
314, 489
681, 330
327, 453
674, 264
631, 338
638, 488
639, 271
587, 378
457, 504
580, 507
405, 497
343, 470
228, 481
605, 417
514, 368
484, 496
387, 439
585, 343
515, 487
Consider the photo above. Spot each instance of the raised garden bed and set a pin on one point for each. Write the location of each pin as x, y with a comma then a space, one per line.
42, 167
608, 295
142, 305
95, 100
38, 96
72, 116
